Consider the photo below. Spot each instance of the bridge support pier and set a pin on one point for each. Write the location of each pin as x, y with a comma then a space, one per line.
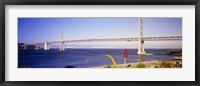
46, 46
141, 40
37, 47
141, 47
25, 47
62, 47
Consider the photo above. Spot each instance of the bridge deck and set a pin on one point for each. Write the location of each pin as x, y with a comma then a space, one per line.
165, 38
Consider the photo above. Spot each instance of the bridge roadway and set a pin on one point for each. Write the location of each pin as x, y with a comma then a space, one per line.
164, 38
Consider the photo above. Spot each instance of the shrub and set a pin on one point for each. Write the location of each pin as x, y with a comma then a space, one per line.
178, 64
165, 64
156, 66
107, 66
69, 66
129, 65
140, 65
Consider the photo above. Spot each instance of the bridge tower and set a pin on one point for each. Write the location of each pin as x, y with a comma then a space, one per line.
141, 40
36, 45
46, 46
25, 45
62, 47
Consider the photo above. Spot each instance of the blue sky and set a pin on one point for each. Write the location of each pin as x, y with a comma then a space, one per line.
49, 29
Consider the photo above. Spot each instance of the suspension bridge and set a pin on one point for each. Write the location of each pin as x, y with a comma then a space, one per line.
140, 39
